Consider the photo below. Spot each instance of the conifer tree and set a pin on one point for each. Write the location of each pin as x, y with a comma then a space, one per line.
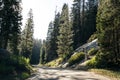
83, 20
90, 19
108, 27
51, 46
49, 42
76, 23
56, 33
65, 34
10, 24
43, 53
27, 36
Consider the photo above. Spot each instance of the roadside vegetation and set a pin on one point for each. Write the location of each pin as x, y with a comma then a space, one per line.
113, 75
54, 63
76, 58
13, 67
92, 52
88, 20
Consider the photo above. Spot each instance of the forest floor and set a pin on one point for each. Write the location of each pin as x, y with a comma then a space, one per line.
45, 73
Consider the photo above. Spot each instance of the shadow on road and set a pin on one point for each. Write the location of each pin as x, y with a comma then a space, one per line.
49, 79
47, 73
62, 69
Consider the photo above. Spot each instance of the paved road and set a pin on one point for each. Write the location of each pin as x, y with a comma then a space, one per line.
64, 74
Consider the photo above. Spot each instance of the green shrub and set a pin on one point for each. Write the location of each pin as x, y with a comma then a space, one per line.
92, 63
92, 37
55, 62
92, 52
106, 60
14, 64
76, 58
20, 63
98, 61
24, 75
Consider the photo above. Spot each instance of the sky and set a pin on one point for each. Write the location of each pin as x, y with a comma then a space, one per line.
43, 13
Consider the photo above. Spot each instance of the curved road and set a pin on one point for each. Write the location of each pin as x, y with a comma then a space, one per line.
64, 74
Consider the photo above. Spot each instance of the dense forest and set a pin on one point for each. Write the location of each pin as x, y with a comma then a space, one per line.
85, 21
69, 30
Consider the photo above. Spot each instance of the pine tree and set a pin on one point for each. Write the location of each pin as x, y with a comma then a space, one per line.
50, 31
27, 36
52, 38
83, 20
65, 34
43, 53
56, 33
49, 42
108, 27
76, 23
90, 19
10, 24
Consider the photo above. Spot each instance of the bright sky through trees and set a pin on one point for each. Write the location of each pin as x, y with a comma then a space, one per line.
43, 12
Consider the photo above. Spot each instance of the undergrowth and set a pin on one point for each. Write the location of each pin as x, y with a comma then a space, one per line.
54, 63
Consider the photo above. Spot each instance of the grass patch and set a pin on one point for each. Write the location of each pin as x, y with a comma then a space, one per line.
113, 75
92, 63
76, 58
92, 52
54, 63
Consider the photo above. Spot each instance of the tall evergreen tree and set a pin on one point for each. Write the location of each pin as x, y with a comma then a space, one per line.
83, 20
43, 53
89, 19
108, 27
10, 24
76, 23
65, 34
50, 31
56, 33
27, 36
51, 41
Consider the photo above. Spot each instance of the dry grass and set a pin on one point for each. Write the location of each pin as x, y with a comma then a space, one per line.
113, 75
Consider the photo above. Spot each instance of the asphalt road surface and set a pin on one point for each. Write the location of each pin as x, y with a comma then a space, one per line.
64, 74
